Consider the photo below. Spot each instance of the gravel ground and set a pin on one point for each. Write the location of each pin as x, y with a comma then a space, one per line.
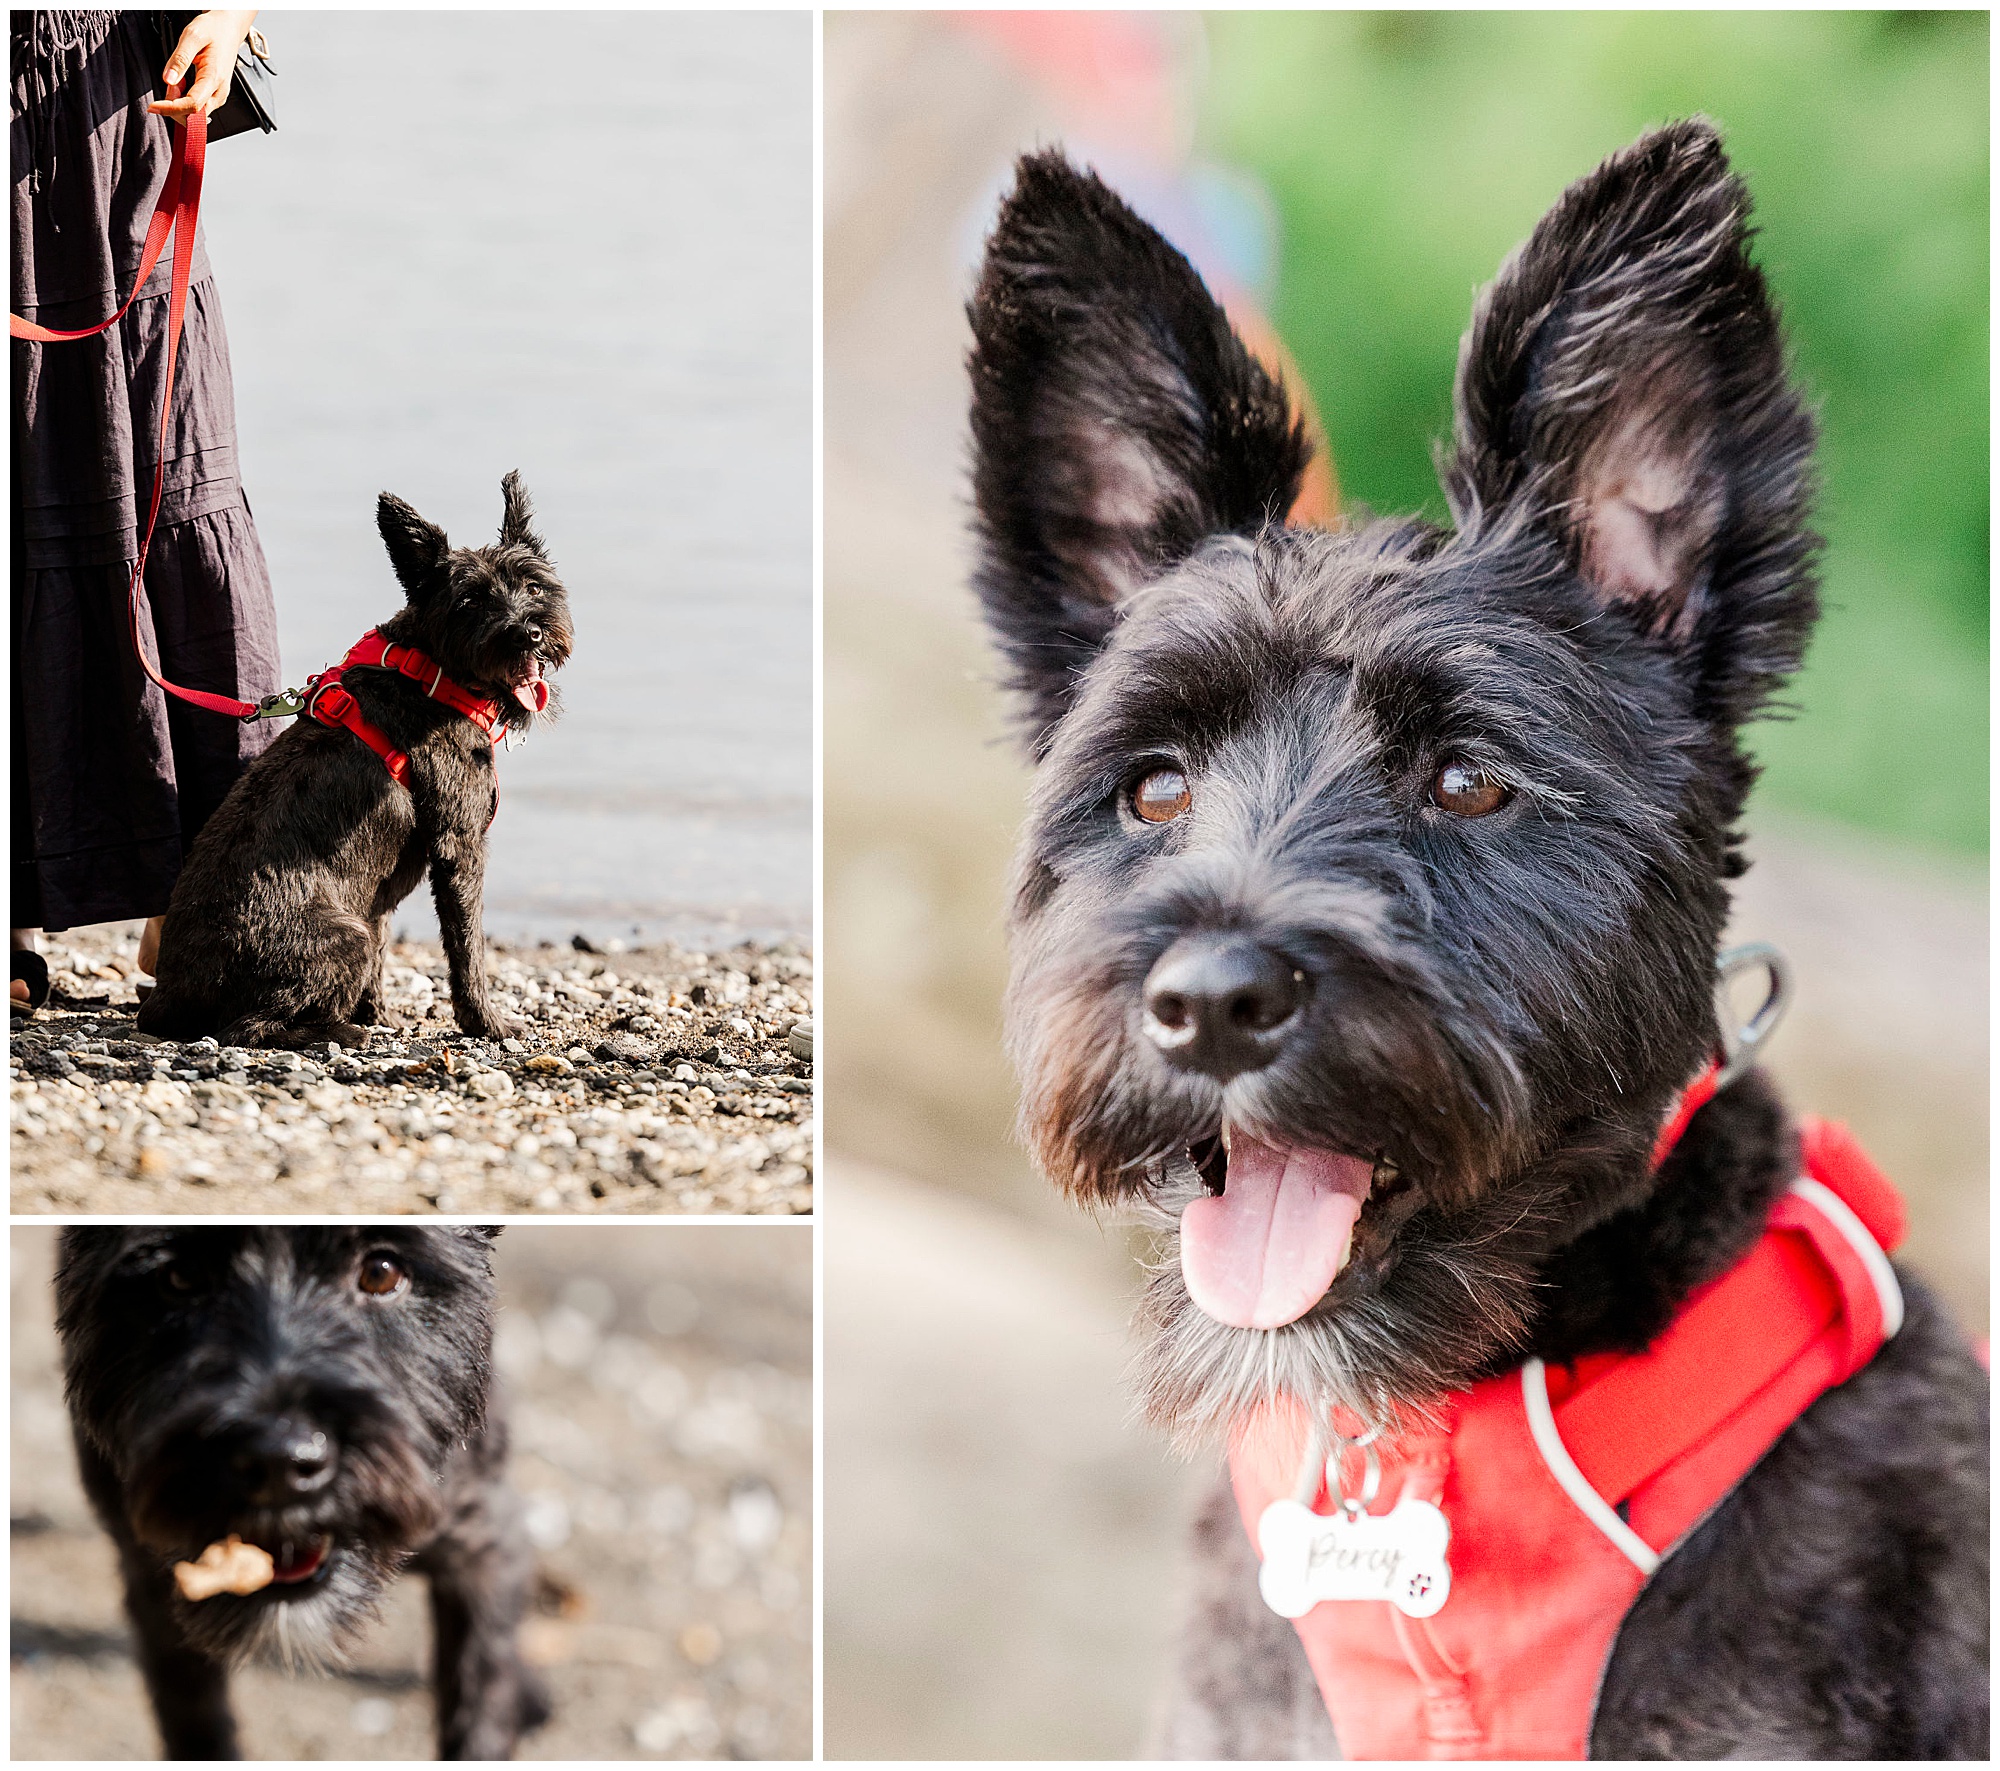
661, 1384
653, 1079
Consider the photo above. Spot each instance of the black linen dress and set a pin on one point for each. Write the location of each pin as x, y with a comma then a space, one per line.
110, 778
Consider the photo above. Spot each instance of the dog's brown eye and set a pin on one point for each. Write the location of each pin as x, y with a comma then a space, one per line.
382, 1276
1162, 796
1467, 791
176, 1280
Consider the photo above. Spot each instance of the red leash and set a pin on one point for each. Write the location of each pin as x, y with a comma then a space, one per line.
175, 213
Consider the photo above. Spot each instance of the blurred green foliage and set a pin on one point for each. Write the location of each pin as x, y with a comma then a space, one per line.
1407, 153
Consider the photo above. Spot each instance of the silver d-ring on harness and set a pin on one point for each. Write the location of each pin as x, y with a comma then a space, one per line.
1741, 1045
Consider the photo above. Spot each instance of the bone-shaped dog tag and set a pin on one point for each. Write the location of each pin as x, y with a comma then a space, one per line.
1398, 1555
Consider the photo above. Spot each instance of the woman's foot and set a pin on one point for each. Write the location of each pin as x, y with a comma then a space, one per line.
149, 945
27, 973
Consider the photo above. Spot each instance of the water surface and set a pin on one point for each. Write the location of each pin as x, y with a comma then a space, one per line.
580, 245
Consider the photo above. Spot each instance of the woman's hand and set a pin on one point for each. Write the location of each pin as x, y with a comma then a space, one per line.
208, 46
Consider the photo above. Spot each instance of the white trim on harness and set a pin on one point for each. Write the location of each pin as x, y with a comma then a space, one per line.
1881, 1275
1542, 1420
1593, 1506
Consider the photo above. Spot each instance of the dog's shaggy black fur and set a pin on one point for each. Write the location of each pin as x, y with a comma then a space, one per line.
1477, 789
278, 922
319, 1390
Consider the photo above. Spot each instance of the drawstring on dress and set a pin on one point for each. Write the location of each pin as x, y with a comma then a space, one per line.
45, 56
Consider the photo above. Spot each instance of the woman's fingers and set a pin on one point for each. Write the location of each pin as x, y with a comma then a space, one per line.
208, 46
211, 87
200, 31
207, 95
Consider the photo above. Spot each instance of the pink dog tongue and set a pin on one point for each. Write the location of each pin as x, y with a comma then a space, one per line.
1264, 1252
534, 693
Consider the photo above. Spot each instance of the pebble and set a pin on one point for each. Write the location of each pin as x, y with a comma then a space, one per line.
702, 1643
622, 1048
578, 1112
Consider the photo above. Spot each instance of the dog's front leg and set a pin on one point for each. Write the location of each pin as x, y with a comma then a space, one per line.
369, 1011
458, 884
479, 1571
190, 1689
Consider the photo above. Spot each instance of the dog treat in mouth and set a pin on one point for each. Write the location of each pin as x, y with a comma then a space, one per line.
231, 1566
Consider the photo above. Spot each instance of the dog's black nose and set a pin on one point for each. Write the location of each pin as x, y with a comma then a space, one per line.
284, 1459
1219, 1003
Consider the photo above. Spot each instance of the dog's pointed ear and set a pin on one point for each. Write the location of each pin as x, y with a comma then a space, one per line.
1117, 422
1624, 382
517, 523
417, 549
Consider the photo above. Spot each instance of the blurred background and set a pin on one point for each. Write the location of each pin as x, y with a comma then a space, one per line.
660, 1385
1001, 1541
578, 244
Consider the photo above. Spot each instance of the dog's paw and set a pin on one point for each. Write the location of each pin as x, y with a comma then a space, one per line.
491, 1025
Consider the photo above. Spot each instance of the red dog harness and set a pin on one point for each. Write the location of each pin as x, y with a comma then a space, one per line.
1560, 1491
328, 700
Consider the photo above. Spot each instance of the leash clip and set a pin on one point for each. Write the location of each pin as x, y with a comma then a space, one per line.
283, 705
1741, 1045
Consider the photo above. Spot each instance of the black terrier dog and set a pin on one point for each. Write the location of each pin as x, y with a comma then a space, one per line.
1368, 911
323, 1394
278, 922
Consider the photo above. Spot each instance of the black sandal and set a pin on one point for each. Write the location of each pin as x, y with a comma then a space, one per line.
30, 968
